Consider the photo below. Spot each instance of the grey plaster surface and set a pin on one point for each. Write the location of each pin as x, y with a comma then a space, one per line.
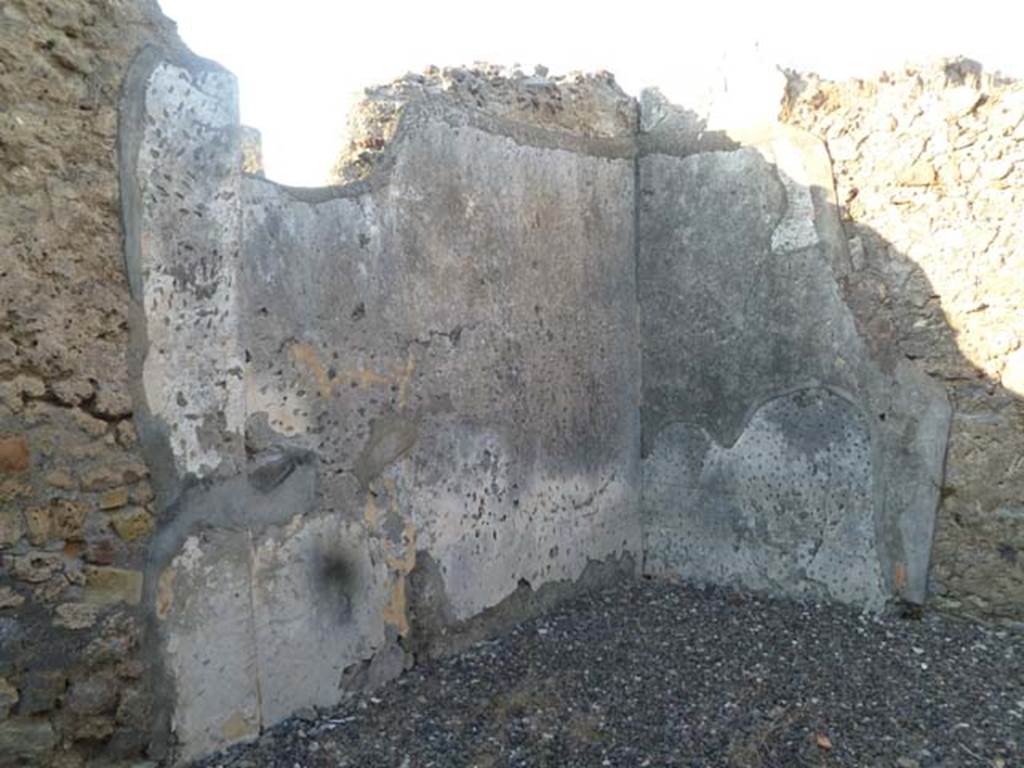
436, 366
787, 509
430, 340
779, 454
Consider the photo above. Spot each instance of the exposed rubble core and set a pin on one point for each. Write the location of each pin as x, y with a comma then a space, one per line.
263, 446
76, 505
586, 104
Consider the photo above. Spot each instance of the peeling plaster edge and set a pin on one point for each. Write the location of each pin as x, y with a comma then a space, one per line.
153, 433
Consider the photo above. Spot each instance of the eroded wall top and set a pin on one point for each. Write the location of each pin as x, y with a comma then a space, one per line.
586, 105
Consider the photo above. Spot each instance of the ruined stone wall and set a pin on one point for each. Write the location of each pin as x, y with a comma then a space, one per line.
590, 105
76, 505
929, 167
301, 437
383, 417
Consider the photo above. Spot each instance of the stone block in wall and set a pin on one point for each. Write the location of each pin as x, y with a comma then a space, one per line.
9, 598
40, 691
11, 526
76, 615
8, 697
106, 585
28, 740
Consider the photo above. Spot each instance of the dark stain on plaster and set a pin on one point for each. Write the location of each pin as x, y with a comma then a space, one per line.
335, 581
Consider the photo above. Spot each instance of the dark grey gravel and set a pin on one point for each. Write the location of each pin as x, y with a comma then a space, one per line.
657, 674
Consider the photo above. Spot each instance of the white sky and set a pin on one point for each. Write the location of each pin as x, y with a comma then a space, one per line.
301, 62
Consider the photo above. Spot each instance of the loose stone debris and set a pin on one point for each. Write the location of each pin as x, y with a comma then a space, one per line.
658, 674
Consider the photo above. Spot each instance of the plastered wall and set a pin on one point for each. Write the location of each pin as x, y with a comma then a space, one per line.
385, 408
779, 453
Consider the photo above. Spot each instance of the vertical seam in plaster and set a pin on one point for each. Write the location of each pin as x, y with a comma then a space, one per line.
637, 329
255, 634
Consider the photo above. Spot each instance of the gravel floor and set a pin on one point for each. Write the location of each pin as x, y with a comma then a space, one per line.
657, 674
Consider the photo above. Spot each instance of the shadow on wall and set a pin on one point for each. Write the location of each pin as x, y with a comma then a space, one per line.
977, 563
762, 308
929, 164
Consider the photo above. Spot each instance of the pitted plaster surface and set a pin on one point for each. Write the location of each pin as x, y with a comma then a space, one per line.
188, 253
788, 508
489, 531
459, 356
739, 252
204, 602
